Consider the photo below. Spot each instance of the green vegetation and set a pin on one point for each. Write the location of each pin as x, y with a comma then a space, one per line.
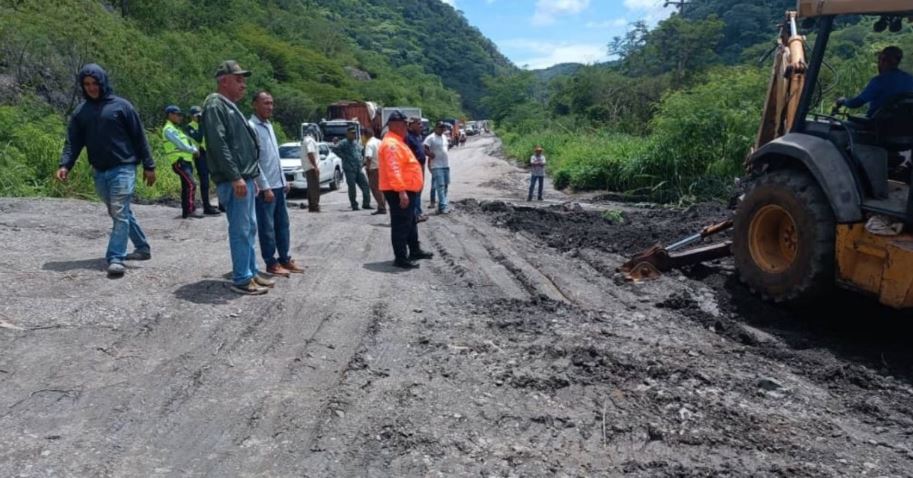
614, 216
309, 53
674, 117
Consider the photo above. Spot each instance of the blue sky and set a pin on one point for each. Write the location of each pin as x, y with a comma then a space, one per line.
541, 33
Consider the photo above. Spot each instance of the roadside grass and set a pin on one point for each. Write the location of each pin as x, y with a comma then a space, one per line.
699, 139
31, 140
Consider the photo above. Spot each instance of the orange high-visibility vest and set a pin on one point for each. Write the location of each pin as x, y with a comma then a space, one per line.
399, 170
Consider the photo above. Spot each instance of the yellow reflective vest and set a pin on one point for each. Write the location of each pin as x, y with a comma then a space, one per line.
172, 152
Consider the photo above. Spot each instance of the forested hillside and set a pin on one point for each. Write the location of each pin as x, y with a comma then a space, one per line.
307, 52
674, 115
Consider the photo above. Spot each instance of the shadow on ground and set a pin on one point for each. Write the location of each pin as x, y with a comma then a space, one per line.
207, 291
386, 267
97, 264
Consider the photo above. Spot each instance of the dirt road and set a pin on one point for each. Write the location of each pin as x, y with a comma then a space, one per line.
516, 351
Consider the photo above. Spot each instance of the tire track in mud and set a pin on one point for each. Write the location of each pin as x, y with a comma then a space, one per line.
520, 274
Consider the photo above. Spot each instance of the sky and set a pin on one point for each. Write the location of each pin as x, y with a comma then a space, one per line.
540, 33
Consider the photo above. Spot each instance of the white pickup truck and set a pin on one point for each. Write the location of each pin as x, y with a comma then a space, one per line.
329, 164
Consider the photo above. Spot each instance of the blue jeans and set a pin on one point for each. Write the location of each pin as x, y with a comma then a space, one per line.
242, 230
273, 228
115, 187
440, 180
532, 186
418, 199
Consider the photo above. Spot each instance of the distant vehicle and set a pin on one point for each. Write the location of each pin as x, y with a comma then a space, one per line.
313, 129
409, 111
335, 130
365, 112
329, 164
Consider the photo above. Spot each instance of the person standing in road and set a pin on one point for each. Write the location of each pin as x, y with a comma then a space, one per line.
372, 146
352, 155
109, 128
309, 154
414, 140
180, 151
537, 172
439, 163
401, 182
272, 208
233, 164
193, 130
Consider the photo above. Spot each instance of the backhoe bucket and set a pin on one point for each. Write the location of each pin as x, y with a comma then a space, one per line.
650, 264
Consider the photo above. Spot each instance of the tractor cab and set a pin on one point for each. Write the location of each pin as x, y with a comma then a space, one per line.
825, 198
824, 201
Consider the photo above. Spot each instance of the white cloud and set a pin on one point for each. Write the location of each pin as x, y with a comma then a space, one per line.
545, 54
651, 11
452, 3
547, 10
608, 24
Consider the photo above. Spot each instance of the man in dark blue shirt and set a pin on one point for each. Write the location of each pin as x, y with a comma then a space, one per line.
890, 82
415, 141
110, 130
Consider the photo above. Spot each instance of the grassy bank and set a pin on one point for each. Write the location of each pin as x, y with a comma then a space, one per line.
31, 139
698, 141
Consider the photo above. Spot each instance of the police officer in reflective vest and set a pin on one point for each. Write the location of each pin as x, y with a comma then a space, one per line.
195, 132
180, 151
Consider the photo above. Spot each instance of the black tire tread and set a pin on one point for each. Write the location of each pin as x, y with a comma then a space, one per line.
819, 279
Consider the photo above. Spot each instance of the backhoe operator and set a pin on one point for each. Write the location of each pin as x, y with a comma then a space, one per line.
890, 82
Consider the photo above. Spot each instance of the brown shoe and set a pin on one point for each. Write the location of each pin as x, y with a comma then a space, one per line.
251, 288
278, 270
263, 281
290, 266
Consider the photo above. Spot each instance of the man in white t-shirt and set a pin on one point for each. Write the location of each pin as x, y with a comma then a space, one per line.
310, 153
439, 164
372, 148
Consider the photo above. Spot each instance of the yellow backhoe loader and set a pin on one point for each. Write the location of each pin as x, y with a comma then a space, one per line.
813, 180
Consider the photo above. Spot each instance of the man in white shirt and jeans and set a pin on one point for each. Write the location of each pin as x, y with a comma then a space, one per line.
309, 154
439, 164
271, 208
372, 148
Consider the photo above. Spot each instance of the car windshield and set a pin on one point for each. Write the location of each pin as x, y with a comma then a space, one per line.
290, 152
333, 131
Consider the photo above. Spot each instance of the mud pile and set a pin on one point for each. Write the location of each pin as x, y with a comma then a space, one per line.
569, 226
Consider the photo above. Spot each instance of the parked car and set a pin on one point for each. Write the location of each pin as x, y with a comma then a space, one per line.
329, 164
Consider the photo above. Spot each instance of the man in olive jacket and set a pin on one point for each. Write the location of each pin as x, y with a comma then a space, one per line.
232, 159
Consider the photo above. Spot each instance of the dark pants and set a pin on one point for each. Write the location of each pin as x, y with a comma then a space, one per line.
203, 175
313, 180
403, 225
532, 185
184, 170
273, 228
357, 177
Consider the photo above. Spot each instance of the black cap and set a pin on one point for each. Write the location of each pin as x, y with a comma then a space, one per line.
172, 109
231, 67
440, 124
195, 110
396, 115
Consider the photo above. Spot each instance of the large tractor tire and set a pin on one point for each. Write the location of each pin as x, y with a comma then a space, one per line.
784, 237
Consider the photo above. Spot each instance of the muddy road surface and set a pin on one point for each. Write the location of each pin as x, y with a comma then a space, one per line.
516, 351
